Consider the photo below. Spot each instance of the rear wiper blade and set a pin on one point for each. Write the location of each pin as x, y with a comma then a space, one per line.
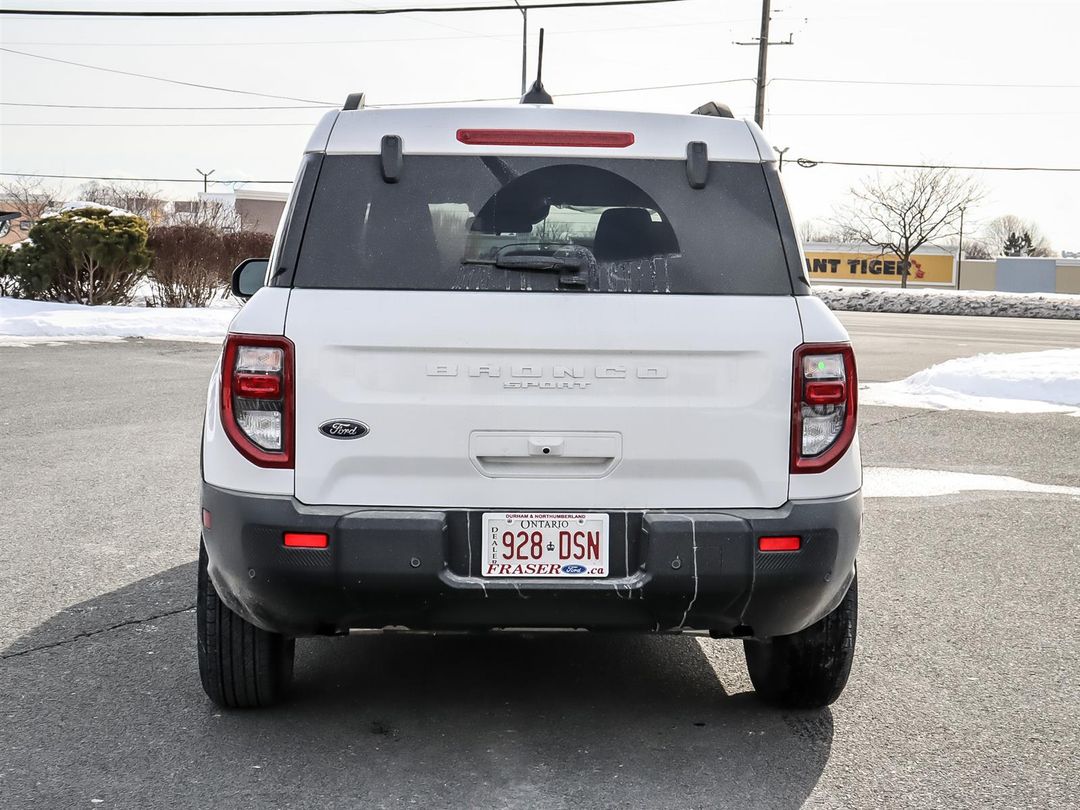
554, 264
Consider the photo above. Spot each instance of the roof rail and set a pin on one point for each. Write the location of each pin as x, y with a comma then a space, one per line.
715, 109
355, 101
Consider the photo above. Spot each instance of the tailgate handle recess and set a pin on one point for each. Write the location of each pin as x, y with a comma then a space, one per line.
498, 454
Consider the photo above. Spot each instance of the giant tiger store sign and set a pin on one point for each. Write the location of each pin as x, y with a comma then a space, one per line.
874, 268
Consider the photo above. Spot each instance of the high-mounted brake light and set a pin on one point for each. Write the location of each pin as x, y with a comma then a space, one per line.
257, 398
824, 405
545, 137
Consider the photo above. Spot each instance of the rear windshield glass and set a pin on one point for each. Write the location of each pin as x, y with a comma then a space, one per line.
542, 224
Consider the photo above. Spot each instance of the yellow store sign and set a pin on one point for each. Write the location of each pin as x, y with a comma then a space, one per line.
875, 268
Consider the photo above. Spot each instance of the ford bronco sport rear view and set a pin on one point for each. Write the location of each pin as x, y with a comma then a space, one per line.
521, 368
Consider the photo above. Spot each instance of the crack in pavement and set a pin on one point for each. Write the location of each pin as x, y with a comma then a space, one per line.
92, 633
900, 419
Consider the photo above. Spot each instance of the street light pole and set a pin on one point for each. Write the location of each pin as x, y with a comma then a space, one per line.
205, 175
524, 44
960, 249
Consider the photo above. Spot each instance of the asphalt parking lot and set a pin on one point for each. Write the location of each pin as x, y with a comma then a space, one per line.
964, 691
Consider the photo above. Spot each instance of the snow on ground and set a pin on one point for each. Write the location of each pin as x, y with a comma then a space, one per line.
896, 482
1025, 382
29, 322
951, 302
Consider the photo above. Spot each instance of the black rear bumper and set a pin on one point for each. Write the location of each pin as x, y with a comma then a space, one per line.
421, 569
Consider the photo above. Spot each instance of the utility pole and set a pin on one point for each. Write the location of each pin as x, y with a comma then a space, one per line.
762, 60
524, 43
205, 175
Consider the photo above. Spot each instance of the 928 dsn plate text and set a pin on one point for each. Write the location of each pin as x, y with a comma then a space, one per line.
545, 544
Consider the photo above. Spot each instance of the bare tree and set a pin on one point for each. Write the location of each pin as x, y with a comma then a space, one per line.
906, 211
141, 200
30, 196
216, 215
816, 231
998, 231
973, 248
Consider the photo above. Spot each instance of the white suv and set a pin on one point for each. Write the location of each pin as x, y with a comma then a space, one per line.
529, 367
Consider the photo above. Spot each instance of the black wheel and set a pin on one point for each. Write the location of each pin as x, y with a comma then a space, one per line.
808, 669
242, 666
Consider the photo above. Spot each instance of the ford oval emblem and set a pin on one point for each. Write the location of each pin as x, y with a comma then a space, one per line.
573, 569
344, 429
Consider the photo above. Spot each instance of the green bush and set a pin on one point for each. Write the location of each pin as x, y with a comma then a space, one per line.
9, 283
85, 256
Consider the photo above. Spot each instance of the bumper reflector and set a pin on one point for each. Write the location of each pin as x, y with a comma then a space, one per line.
779, 543
304, 540
206, 520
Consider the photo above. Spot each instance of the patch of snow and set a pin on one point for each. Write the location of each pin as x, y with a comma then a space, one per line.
144, 294
1025, 382
27, 322
927, 301
75, 205
897, 482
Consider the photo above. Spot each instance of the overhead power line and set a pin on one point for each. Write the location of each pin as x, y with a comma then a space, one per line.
276, 43
924, 84
330, 105
336, 12
151, 107
142, 179
160, 78
807, 163
170, 125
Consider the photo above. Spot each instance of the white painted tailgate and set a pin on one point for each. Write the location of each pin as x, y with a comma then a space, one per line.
663, 400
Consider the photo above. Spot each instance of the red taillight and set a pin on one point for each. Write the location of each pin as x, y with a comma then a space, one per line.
779, 543
545, 137
306, 540
258, 386
824, 406
257, 398
825, 393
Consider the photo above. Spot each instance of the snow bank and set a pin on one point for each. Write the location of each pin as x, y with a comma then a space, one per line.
896, 482
36, 320
1026, 382
951, 302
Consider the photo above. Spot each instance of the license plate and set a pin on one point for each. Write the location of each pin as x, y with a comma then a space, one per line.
545, 544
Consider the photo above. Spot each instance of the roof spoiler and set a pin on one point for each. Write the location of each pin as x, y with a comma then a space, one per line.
715, 109
355, 101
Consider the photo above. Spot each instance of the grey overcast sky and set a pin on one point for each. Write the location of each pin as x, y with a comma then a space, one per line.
968, 64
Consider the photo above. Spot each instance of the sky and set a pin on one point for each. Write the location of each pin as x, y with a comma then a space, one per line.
880, 81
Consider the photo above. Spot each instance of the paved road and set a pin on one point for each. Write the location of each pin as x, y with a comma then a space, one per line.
963, 693
893, 346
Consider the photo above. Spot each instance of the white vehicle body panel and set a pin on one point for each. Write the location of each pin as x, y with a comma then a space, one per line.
548, 401
321, 136
427, 131
222, 463
820, 325
264, 314
693, 391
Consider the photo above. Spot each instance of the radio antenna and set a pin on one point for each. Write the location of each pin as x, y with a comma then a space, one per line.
537, 94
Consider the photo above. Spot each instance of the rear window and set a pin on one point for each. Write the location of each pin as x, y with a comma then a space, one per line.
527, 224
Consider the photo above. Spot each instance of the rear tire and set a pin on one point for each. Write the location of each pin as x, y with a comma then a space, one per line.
808, 669
242, 666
